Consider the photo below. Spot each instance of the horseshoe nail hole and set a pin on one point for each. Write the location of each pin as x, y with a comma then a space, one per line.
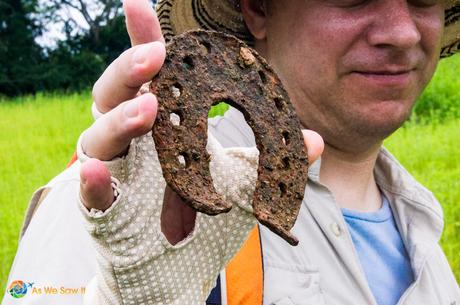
176, 90
286, 163
279, 103
286, 139
188, 61
207, 45
183, 160
283, 188
175, 119
263, 78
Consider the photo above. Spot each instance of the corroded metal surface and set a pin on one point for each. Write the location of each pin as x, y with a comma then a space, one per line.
204, 68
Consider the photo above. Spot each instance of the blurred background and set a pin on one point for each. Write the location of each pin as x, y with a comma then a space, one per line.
57, 44
52, 51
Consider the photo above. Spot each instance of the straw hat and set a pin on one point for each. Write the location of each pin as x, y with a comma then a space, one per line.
178, 16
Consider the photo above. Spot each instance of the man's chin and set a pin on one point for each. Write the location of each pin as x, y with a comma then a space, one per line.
385, 117
380, 129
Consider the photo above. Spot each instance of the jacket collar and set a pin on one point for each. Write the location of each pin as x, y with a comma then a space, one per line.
417, 212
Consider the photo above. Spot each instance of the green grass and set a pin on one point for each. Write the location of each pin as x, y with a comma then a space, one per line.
431, 154
441, 99
38, 136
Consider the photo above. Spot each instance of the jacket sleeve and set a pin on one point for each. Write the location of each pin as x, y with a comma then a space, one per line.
137, 264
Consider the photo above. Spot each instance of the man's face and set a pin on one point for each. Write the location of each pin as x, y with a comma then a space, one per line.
354, 68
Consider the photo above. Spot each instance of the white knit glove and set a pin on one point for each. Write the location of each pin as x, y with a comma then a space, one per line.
137, 264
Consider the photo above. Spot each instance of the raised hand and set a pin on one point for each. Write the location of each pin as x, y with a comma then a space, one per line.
126, 116
144, 233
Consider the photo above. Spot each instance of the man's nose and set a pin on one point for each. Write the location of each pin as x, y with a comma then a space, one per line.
394, 26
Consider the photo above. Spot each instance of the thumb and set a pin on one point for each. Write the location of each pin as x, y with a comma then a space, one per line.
314, 143
95, 185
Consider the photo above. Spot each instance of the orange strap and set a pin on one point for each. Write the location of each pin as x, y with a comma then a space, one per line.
72, 160
245, 273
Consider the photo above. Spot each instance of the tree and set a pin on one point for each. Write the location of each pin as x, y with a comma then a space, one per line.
20, 56
95, 35
87, 18
94, 32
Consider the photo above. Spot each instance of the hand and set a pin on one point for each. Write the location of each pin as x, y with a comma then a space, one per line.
114, 93
128, 117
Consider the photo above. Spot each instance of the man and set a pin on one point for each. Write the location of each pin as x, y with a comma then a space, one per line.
353, 70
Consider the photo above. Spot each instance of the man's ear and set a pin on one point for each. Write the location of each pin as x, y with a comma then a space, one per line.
254, 13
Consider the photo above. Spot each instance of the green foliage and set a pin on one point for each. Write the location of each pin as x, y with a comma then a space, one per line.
72, 72
218, 109
20, 56
431, 154
441, 99
73, 65
77, 63
38, 137
111, 41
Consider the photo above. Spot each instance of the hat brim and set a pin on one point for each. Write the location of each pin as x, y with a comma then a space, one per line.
451, 37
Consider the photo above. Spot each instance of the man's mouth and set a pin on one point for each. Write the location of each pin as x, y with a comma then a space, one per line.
385, 72
386, 77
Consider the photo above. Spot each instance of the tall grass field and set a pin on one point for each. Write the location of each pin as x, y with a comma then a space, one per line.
38, 136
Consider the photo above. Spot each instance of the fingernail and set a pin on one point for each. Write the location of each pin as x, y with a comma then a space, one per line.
141, 54
131, 109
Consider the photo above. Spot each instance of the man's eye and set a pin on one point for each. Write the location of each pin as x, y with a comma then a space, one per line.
349, 3
355, 3
424, 3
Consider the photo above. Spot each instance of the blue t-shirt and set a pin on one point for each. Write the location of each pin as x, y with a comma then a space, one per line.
382, 253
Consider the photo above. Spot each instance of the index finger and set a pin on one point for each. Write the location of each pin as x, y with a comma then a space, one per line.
123, 78
142, 22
